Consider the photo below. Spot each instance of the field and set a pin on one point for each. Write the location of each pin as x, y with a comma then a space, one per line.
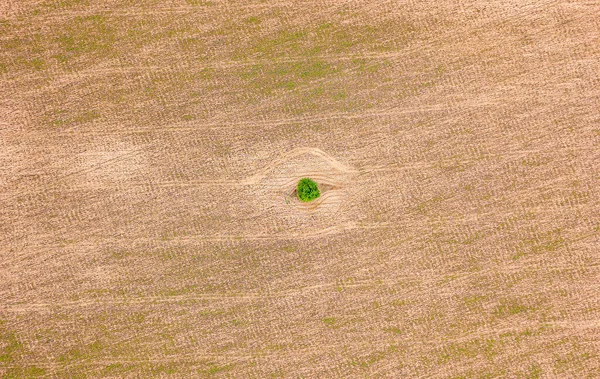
149, 154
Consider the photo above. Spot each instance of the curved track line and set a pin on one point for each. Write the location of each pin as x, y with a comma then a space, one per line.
254, 179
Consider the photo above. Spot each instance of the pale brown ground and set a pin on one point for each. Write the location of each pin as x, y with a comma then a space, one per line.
149, 153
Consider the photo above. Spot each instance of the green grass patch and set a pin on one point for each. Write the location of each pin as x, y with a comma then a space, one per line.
201, 3
374, 357
473, 301
308, 190
393, 330
215, 369
509, 309
24, 372
325, 38
540, 243
252, 20
457, 351
58, 4
9, 346
115, 368
275, 46
534, 371
265, 78
63, 118
85, 35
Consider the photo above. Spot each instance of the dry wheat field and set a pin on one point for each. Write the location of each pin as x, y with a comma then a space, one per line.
149, 153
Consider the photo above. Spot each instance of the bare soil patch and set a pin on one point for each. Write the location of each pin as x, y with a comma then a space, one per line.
148, 161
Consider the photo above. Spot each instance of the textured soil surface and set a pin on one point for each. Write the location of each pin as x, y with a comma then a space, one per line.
149, 155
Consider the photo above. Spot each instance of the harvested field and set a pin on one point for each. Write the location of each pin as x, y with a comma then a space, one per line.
149, 155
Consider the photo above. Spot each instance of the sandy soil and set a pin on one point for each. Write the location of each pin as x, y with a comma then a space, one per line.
149, 154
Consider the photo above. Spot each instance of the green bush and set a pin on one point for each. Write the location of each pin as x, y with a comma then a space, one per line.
308, 190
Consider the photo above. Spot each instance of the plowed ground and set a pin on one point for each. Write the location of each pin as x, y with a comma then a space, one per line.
149, 154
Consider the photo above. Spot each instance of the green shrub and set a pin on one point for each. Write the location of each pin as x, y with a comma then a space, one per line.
308, 190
